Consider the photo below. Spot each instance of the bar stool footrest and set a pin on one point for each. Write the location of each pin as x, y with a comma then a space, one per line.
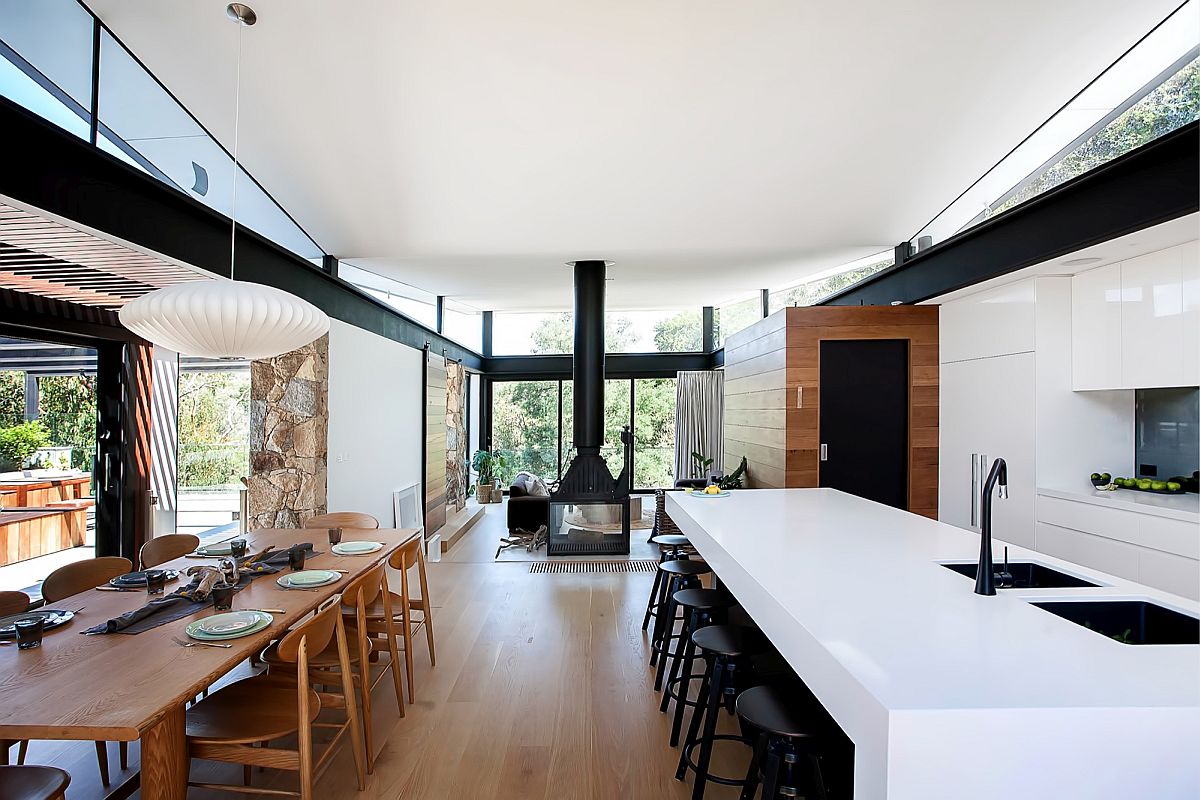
720, 737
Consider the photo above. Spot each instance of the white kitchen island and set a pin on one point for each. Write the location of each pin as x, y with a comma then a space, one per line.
945, 693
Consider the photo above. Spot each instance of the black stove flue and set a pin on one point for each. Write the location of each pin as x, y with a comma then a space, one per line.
589, 504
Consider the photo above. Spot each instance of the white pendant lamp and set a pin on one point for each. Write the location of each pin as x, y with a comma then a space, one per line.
226, 318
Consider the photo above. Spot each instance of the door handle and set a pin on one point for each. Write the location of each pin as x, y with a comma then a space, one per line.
974, 489
824, 452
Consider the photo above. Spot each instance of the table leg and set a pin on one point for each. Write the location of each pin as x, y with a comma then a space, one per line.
164, 759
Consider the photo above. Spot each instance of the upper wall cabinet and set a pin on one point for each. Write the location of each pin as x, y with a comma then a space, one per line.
996, 322
1136, 324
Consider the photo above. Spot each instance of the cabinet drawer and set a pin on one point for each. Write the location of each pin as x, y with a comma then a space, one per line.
1170, 573
1144, 530
1106, 555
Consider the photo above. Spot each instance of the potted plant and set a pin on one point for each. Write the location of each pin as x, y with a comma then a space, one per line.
19, 443
489, 465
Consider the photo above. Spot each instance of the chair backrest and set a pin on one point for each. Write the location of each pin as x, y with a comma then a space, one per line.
363, 590
316, 631
83, 575
406, 555
13, 603
168, 547
341, 519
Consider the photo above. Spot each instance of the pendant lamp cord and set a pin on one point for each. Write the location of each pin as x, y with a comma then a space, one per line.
237, 111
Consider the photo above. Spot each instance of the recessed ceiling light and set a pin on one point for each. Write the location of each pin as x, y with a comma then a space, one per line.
1079, 262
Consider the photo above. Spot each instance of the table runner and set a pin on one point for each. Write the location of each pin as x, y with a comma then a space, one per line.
189, 599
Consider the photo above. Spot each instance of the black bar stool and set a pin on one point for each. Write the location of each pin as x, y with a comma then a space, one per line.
787, 757
791, 746
671, 547
728, 652
701, 608
677, 575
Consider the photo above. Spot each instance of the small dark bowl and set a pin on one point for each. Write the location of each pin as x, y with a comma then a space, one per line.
1100, 482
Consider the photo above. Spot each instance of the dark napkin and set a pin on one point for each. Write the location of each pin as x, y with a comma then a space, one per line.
189, 599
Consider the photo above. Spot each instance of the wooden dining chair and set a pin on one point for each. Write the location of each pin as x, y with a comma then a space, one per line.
405, 557
358, 596
226, 725
83, 575
13, 603
167, 547
341, 519
68, 580
33, 783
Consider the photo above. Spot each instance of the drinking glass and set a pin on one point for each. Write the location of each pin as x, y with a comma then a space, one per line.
335, 536
237, 548
156, 580
296, 557
222, 595
29, 632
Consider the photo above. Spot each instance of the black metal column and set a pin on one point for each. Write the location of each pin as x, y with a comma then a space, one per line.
706, 330
588, 362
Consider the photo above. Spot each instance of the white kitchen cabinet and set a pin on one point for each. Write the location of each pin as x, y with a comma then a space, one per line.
986, 408
1190, 269
1096, 328
1152, 319
995, 322
1136, 324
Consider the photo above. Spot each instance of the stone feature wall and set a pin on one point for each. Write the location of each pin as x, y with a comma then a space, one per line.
456, 437
289, 433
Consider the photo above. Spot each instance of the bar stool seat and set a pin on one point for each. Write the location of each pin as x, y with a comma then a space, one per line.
671, 540
683, 567
729, 640
792, 737
33, 783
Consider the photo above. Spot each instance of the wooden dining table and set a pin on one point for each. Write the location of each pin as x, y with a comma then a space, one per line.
119, 687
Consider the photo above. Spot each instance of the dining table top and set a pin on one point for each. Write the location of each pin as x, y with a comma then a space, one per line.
114, 687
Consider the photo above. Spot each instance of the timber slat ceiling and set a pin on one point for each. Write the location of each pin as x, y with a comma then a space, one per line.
44, 257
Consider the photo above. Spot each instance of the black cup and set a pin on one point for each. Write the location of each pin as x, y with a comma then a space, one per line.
237, 548
335, 536
156, 581
222, 595
29, 632
296, 557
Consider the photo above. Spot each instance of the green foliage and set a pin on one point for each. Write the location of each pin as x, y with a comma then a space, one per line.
67, 407
1170, 106
681, 333
728, 320
19, 442
734, 479
807, 294
12, 398
214, 428
490, 465
700, 464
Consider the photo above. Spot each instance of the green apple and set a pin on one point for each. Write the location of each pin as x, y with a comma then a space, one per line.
1158, 486
1095, 476
1144, 483
1106, 477
1173, 486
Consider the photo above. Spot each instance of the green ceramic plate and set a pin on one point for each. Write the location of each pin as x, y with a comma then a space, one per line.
230, 625
308, 578
356, 548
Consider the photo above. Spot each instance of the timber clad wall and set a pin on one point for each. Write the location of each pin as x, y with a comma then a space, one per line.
435, 443
755, 402
772, 392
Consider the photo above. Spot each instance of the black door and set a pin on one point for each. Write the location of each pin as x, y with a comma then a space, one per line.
864, 418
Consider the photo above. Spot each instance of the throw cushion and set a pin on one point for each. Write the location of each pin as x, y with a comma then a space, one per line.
532, 484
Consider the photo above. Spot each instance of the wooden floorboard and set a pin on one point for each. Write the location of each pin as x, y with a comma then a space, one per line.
542, 690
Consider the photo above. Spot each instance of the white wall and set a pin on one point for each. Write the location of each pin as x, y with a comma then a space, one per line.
374, 420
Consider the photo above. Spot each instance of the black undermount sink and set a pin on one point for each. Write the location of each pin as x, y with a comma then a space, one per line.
1027, 575
1129, 621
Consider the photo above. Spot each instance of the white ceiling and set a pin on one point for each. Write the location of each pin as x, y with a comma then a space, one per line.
710, 148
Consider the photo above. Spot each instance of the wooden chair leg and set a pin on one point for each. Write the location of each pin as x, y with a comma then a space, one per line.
102, 761
356, 740
389, 624
426, 607
406, 631
123, 751
364, 667
304, 734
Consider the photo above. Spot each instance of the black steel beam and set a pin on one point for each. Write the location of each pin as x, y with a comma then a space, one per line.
66, 176
1148, 186
707, 339
616, 365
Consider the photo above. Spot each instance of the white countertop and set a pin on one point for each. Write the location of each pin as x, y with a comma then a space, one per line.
905, 655
1184, 506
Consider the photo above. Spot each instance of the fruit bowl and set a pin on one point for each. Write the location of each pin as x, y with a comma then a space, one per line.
1151, 486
